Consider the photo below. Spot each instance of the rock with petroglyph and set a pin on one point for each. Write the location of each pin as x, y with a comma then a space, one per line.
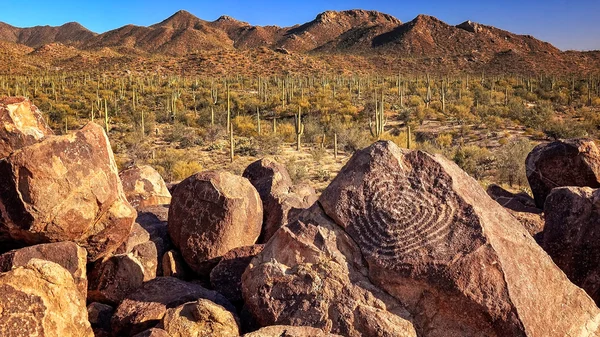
226, 277
144, 186
41, 299
289, 331
200, 318
433, 239
21, 124
112, 279
65, 188
67, 254
154, 332
211, 213
282, 202
571, 162
572, 235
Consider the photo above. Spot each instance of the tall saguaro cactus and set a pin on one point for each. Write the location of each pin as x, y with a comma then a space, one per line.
299, 128
378, 127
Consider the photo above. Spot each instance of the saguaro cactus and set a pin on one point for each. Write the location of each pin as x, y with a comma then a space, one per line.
299, 128
378, 127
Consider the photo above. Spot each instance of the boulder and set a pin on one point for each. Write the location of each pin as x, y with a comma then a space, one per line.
21, 124
572, 235
138, 235
99, 315
226, 277
153, 220
41, 299
173, 265
200, 318
522, 207
282, 202
429, 236
144, 187
67, 254
154, 332
289, 331
211, 213
572, 162
112, 279
65, 188
146, 253
145, 307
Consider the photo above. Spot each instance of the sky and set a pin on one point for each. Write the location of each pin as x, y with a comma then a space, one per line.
569, 25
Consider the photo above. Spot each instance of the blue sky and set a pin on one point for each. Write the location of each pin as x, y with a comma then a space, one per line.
570, 24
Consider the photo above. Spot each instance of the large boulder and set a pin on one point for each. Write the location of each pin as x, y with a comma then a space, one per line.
144, 186
99, 315
41, 299
226, 277
153, 220
112, 279
21, 124
521, 206
200, 318
140, 245
572, 162
289, 331
154, 332
572, 235
428, 235
145, 307
282, 202
65, 188
211, 213
67, 254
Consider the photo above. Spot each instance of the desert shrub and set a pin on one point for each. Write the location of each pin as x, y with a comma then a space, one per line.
474, 160
269, 144
510, 162
318, 153
183, 169
297, 171
443, 140
561, 130
322, 175
286, 132
244, 126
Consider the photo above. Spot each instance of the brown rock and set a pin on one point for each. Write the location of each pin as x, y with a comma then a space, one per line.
146, 253
211, 213
521, 206
65, 189
173, 265
111, 280
200, 318
572, 235
41, 299
289, 331
458, 261
145, 307
226, 277
99, 315
144, 187
154, 332
138, 235
21, 124
281, 201
67, 254
572, 162
153, 220
311, 274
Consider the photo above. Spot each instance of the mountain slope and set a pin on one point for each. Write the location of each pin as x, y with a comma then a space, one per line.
69, 33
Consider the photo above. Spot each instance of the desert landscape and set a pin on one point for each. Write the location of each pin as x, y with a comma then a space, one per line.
354, 175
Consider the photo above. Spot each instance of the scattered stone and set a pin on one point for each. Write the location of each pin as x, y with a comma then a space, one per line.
67, 254
571, 162
200, 318
66, 188
289, 331
111, 280
572, 235
211, 213
41, 299
226, 277
144, 187
99, 315
145, 307
282, 202
522, 207
138, 235
173, 265
21, 124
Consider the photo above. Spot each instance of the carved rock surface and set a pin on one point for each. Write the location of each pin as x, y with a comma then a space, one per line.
144, 186
112, 279
41, 299
67, 254
572, 235
146, 307
65, 188
289, 331
226, 277
21, 124
154, 332
211, 213
200, 318
282, 202
571, 162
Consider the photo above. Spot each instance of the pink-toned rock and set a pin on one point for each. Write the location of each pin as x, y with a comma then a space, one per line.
112, 279
144, 186
282, 202
200, 318
41, 299
65, 188
522, 207
146, 307
571, 162
211, 213
289, 331
226, 277
67, 254
173, 265
21, 124
153, 220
